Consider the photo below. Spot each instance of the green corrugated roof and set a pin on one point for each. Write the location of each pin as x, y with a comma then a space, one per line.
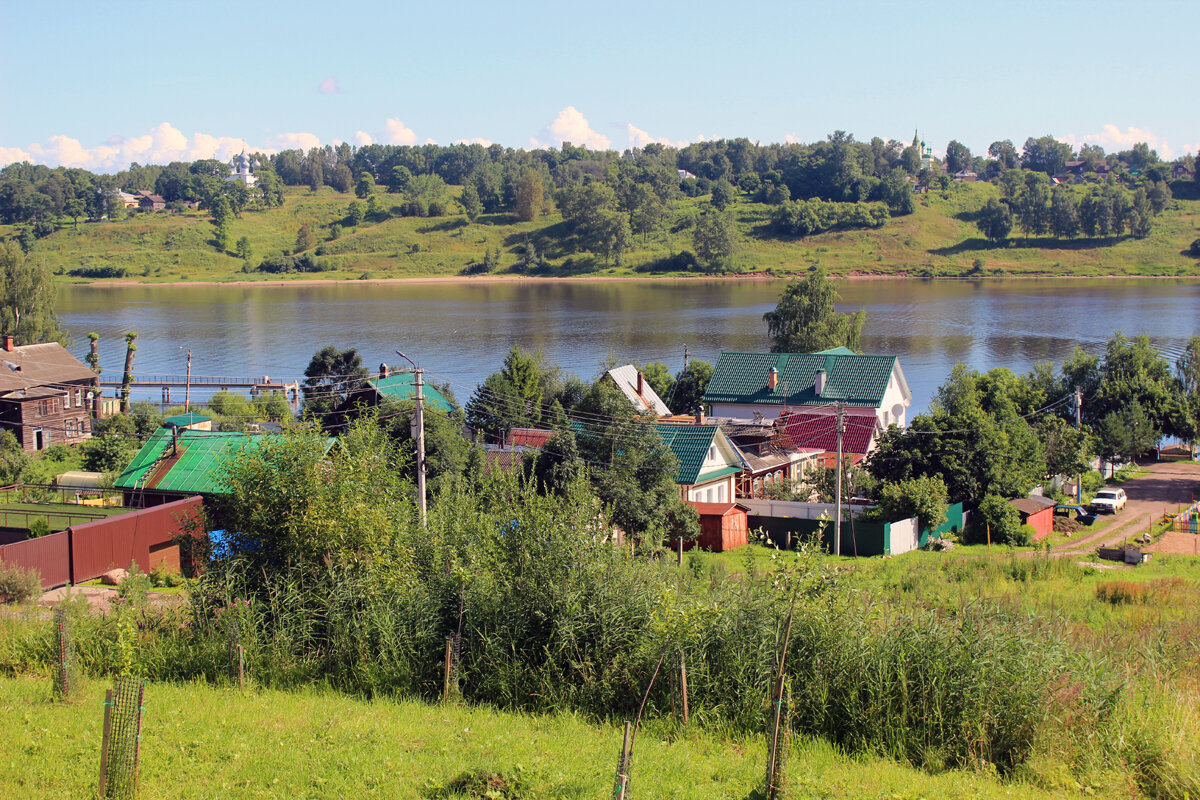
849, 378
198, 468
403, 386
690, 445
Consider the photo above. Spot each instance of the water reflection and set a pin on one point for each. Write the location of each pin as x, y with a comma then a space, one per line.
462, 331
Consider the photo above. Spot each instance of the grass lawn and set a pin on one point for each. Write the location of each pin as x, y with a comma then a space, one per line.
59, 515
199, 741
939, 239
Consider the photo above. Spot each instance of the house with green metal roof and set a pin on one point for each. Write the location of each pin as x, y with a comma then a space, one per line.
191, 419
708, 462
765, 385
403, 387
183, 461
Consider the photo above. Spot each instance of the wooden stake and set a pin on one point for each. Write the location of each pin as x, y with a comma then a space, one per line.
241, 657
108, 703
622, 783
773, 742
683, 686
137, 742
447, 669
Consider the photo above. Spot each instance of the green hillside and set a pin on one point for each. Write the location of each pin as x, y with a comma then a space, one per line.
939, 239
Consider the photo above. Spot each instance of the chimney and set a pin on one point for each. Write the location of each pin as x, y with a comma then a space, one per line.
8, 345
383, 370
700, 416
772, 379
641, 384
819, 382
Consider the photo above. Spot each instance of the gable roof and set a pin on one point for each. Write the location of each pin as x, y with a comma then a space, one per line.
183, 420
1032, 504
690, 444
626, 378
808, 430
856, 380
402, 386
196, 469
45, 364
529, 437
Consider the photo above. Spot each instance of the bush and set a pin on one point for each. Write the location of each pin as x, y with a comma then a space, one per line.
1195, 248
1092, 481
1024, 537
99, 272
39, 527
18, 584
997, 515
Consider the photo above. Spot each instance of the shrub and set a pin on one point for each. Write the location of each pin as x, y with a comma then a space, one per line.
1195, 248
998, 516
39, 527
17, 583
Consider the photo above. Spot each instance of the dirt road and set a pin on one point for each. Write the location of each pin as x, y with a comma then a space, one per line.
1168, 486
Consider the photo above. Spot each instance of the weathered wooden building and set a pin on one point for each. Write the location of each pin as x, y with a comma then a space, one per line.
45, 395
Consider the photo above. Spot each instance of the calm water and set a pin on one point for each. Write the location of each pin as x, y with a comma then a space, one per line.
461, 332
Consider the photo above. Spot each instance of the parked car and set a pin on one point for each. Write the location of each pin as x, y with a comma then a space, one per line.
1082, 515
1108, 500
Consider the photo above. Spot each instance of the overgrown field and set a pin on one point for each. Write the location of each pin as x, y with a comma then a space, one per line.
1014, 666
204, 741
940, 239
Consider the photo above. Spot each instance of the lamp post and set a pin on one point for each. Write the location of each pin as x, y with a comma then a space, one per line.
420, 437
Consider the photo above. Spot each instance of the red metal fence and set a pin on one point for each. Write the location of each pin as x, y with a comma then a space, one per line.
84, 552
49, 555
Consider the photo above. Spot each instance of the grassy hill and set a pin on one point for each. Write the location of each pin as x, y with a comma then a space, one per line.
939, 240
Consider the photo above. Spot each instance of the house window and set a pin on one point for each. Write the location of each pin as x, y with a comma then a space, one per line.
721, 493
66, 398
712, 453
71, 428
85, 425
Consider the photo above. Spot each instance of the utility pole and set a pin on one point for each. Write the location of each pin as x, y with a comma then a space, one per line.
685, 358
187, 387
1079, 426
420, 384
837, 492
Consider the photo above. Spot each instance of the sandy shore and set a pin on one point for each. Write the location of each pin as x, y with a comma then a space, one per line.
752, 276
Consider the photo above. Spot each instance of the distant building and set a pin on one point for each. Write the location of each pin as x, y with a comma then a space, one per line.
148, 201
1179, 171
684, 175
45, 395
240, 167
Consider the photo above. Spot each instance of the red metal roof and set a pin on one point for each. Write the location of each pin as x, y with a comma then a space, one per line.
716, 509
819, 432
529, 437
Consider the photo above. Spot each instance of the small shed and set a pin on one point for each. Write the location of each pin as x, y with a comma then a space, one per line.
1036, 512
723, 526
190, 421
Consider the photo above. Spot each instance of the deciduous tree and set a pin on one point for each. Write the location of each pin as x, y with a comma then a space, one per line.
806, 320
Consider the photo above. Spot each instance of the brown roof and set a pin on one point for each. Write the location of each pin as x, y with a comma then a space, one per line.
40, 365
1032, 504
717, 509
529, 437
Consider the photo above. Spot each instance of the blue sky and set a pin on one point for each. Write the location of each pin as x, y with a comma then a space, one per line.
100, 84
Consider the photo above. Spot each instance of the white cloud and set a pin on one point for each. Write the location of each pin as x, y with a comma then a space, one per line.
475, 140
12, 155
792, 138
329, 86
1113, 139
571, 126
394, 132
163, 144
640, 138
293, 141
362, 139
429, 140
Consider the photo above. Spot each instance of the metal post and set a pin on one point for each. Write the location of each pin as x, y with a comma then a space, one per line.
187, 391
837, 492
108, 704
420, 383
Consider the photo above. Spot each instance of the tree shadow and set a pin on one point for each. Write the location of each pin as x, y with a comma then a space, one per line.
454, 223
1023, 243
497, 218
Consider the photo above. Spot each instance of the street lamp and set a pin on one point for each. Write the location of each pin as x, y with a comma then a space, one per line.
420, 436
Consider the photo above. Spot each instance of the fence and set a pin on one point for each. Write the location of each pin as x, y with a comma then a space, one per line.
47, 493
859, 537
49, 555
87, 551
1187, 520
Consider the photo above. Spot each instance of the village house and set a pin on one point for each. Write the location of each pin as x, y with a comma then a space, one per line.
871, 390
708, 463
148, 201
45, 395
1180, 172
401, 387
634, 386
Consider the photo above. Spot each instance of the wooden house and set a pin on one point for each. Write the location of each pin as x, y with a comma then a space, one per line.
45, 395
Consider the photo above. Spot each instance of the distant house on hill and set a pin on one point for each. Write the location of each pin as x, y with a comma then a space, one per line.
1180, 172
45, 395
128, 200
148, 201
966, 176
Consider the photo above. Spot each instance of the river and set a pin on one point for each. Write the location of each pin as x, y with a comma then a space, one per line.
460, 332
